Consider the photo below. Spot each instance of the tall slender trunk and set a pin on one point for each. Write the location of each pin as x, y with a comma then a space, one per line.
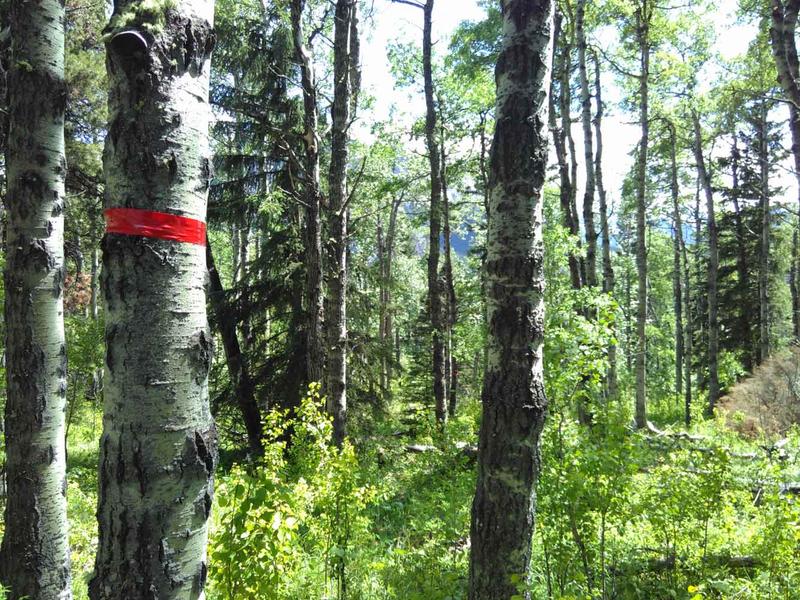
689, 334
337, 218
386, 325
608, 268
159, 444
94, 305
450, 303
629, 343
784, 51
434, 293
588, 148
514, 403
34, 557
484, 174
643, 33
763, 263
701, 308
566, 128
713, 268
566, 182
676, 275
794, 282
741, 258
312, 198
243, 385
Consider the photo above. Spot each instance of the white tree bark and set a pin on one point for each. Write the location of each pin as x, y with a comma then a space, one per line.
158, 448
34, 559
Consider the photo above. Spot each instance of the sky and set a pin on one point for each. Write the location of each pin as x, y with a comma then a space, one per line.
396, 22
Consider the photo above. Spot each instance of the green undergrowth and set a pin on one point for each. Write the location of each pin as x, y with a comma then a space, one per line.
695, 515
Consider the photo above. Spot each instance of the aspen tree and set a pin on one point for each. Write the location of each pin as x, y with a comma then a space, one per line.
34, 558
514, 402
158, 448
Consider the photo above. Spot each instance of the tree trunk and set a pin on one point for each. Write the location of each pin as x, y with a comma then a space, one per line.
784, 50
676, 275
159, 444
337, 218
243, 385
713, 267
643, 33
741, 257
386, 325
588, 148
566, 183
514, 403
701, 309
689, 335
312, 199
434, 294
34, 558
794, 282
450, 303
608, 269
484, 174
763, 263
94, 305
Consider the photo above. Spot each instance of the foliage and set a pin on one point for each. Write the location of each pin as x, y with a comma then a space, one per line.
279, 516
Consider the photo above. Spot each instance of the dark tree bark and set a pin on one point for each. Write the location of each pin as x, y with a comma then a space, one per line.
794, 282
688, 333
514, 402
677, 272
386, 316
243, 385
34, 557
312, 199
450, 304
784, 50
435, 299
713, 268
741, 256
434, 240
342, 109
608, 269
643, 17
566, 182
763, 262
588, 147
158, 448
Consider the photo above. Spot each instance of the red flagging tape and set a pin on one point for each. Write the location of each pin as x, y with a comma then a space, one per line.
152, 224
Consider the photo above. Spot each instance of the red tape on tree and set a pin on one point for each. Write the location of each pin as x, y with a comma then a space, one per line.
152, 224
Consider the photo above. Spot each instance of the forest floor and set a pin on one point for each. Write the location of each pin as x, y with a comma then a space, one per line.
665, 514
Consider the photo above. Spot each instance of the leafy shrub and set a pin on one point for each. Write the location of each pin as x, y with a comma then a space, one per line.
277, 517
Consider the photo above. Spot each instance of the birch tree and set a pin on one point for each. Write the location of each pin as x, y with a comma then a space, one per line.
34, 558
158, 448
514, 402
